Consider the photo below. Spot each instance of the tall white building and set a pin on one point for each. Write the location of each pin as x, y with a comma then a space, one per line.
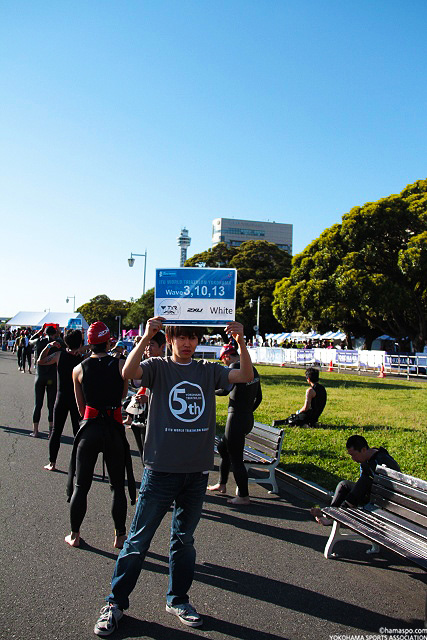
235, 232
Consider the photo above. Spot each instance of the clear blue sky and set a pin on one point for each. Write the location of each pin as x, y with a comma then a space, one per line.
124, 121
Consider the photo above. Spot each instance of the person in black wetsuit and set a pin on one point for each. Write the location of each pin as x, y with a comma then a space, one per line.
65, 360
19, 347
45, 376
27, 351
244, 400
315, 401
99, 389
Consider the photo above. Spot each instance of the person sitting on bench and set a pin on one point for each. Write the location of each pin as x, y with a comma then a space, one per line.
315, 401
353, 494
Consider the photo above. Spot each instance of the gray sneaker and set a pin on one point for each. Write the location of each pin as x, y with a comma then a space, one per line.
186, 613
108, 621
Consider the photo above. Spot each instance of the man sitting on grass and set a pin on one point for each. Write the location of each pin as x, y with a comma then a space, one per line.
315, 401
353, 494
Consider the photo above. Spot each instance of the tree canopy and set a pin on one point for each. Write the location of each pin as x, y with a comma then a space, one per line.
102, 308
140, 310
366, 275
217, 256
259, 265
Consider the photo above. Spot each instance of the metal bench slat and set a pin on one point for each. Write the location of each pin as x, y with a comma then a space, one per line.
397, 529
394, 519
384, 493
268, 441
410, 548
268, 447
267, 428
401, 511
399, 488
257, 455
410, 481
346, 517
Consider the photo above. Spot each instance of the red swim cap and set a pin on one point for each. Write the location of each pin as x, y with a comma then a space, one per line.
227, 349
98, 332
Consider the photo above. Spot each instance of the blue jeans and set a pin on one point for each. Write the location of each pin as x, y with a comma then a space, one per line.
158, 492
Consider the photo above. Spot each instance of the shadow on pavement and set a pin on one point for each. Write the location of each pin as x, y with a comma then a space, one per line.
301, 538
24, 432
131, 627
85, 546
282, 594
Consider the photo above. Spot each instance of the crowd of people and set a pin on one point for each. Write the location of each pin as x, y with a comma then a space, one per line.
8, 336
18, 341
174, 428
171, 412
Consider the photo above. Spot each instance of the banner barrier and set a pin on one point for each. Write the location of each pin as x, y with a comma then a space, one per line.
359, 360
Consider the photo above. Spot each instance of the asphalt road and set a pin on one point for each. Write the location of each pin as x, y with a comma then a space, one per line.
260, 570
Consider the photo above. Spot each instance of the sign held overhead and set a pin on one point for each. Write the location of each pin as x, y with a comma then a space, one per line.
191, 296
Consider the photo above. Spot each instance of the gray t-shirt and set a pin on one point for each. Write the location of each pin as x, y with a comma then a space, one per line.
181, 415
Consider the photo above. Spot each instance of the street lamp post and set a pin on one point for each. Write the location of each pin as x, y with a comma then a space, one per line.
119, 318
251, 304
131, 262
74, 301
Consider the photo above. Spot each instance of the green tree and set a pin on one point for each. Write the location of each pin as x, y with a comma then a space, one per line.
259, 265
140, 310
365, 275
218, 256
102, 308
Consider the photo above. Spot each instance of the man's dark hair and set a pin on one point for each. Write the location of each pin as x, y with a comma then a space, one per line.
312, 374
160, 338
50, 331
357, 443
173, 331
73, 338
98, 348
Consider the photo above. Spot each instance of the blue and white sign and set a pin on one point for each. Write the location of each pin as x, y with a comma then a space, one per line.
305, 355
75, 323
188, 296
347, 356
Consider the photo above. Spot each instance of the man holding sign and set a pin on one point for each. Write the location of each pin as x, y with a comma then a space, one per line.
178, 453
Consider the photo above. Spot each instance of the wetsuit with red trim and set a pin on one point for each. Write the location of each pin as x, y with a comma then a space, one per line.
101, 431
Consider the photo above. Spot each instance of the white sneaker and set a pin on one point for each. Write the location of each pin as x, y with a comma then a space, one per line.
186, 613
108, 621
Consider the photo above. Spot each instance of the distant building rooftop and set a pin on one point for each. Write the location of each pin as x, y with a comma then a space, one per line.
234, 232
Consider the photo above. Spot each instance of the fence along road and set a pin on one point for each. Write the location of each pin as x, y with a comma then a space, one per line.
357, 359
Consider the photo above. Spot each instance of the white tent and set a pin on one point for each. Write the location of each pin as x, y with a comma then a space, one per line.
326, 335
338, 335
36, 319
282, 337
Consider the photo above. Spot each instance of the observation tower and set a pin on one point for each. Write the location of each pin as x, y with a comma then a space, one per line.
184, 242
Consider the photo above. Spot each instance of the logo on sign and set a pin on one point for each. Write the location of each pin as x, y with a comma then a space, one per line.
169, 308
186, 401
194, 310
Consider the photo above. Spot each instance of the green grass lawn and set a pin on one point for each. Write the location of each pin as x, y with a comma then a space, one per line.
389, 412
